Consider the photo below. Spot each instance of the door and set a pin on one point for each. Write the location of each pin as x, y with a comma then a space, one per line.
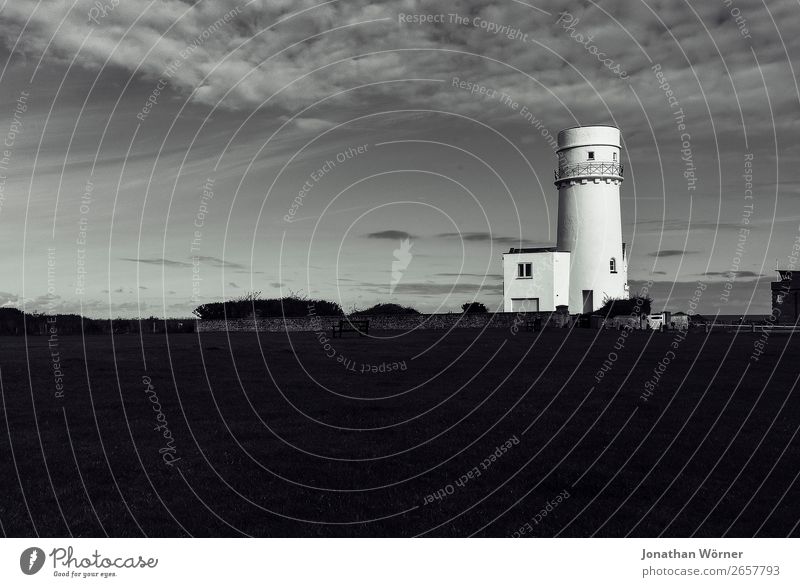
588, 301
524, 304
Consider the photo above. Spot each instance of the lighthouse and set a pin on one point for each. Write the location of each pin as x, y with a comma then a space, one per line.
588, 178
589, 262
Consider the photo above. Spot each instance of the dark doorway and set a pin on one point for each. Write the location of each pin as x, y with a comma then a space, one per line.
588, 301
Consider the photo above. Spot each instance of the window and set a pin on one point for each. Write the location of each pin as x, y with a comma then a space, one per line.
613, 265
591, 154
524, 270
614, 157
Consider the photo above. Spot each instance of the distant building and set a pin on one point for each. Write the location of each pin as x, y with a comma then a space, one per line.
589, 262
786, 296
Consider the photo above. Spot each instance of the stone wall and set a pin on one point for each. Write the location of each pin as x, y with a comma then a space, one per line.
382, 322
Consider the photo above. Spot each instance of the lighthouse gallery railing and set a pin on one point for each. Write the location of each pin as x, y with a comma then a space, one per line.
587, 169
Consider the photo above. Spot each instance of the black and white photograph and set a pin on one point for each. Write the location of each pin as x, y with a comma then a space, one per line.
371, 269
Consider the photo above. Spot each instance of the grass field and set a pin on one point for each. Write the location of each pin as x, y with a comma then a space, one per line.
273, 436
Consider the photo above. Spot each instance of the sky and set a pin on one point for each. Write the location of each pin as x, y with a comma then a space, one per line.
160, 155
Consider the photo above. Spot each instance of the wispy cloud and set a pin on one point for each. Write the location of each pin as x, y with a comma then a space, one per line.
7, 298
480, 237
156, 261
671, 253
390, 235
738, 274
479, 275
217, 262
437, 289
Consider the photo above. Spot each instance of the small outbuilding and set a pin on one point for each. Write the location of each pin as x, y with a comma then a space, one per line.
786, 296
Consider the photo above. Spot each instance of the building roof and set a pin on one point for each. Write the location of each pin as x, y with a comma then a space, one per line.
549, 249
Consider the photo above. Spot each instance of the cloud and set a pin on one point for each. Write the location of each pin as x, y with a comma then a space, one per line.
312, 124
266, 49
436, 289
7, 298
390, 235
480, 275
277, 284
682, 226
89, 307
217, 262
165, 262
738, 274
481, 237
671, 253
232, 284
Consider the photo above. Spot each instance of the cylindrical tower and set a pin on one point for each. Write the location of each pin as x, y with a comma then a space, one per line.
588, 178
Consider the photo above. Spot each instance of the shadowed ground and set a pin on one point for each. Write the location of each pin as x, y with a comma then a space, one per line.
275, 438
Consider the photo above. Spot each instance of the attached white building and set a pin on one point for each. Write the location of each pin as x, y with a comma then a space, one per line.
589, 262
535, 279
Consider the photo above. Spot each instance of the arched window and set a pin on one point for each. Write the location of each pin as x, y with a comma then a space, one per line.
613, 265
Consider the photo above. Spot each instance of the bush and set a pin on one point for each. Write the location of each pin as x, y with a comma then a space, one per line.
474, 308
636, 306
385, 309
293, 306
11, 321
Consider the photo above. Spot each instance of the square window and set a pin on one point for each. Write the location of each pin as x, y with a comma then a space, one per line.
524, 270
591, 154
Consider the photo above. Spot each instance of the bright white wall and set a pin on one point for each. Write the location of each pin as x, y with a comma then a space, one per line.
589, 227
549, 281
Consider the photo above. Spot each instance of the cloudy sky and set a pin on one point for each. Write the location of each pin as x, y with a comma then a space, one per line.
166, 153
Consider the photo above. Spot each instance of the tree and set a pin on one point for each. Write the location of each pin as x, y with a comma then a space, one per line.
474, 308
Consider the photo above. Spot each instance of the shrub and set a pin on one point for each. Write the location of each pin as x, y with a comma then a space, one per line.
290, 307
474, 308
385, 309
637, 305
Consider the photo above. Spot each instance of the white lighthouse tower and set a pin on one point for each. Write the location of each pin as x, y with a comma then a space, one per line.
588, 179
